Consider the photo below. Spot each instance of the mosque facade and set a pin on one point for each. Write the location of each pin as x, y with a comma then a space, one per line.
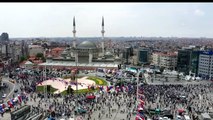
85, 55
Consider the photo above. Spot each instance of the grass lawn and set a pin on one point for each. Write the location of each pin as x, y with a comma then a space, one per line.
98, 80
80, 91
41, 89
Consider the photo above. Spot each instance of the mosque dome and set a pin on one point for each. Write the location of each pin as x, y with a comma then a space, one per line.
87, 45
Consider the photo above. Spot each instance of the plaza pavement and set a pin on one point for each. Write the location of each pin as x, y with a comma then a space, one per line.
61, 85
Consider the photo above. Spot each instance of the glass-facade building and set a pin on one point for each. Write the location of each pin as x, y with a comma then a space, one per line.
184, 61
194, 62
143, 56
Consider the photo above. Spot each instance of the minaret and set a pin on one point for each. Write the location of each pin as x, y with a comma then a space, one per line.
102, 31
74, 32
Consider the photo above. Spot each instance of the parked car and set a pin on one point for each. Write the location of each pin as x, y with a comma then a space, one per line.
16, 90
4, 96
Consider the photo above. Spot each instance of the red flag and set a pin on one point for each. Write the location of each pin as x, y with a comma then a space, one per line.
107, 89
19, 99
10, 104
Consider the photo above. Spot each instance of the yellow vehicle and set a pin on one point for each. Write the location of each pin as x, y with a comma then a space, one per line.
13, 81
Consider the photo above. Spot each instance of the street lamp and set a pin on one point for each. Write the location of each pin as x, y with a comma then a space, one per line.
45, 76
137, 87
76, 87
76, 79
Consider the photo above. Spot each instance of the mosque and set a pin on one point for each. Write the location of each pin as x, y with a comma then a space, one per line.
85, 55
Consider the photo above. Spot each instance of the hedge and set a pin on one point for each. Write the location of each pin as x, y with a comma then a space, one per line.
41, 89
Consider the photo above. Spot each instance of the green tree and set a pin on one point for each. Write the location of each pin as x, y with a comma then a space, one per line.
162, 69
166, 79
43, 59
23, 58
178, 76
69, 90
39, 55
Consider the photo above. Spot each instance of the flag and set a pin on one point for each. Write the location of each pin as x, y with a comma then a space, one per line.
139, 118
10, 104
19, 99
110, 87
107, 89
127, 89
3, 105
1, 109
101, 88
141, 102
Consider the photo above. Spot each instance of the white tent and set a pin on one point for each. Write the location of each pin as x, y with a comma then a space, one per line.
187, 77
28, 65
198, 78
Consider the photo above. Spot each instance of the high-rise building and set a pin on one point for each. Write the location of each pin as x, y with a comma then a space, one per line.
4, 39
194, 61
187, 61
183, 61
205, 66
143, 55
126, 55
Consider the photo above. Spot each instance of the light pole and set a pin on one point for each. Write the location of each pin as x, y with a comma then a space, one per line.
45, 76
137, 88
210, 75
76, 78
76, 62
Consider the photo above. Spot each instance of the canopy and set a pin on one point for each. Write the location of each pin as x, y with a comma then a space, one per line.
140, 108
28, 63
139, 118
157, 110
181, 110
91, 97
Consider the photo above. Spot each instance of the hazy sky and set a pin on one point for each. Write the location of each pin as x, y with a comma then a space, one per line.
121, 19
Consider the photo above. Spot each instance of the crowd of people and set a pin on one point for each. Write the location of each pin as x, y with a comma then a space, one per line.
193, 98
65, 106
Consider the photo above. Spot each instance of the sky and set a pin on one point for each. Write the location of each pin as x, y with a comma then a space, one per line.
121, 19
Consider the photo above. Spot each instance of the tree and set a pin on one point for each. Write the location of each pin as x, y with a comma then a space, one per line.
178, 76
162, 69
39, 55
166, 79
43, 59
70, 90
23, 58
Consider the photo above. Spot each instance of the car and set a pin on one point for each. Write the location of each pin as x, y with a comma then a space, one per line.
7, 109
16, 90
4, 96
13, 81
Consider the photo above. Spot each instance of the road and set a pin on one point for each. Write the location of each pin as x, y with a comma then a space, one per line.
10, 90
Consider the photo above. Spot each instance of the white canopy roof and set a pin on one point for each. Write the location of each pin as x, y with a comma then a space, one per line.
28, 63
69, 64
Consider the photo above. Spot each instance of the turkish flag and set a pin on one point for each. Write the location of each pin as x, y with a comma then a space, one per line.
19, 99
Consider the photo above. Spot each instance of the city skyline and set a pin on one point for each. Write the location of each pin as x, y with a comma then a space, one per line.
121, 19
